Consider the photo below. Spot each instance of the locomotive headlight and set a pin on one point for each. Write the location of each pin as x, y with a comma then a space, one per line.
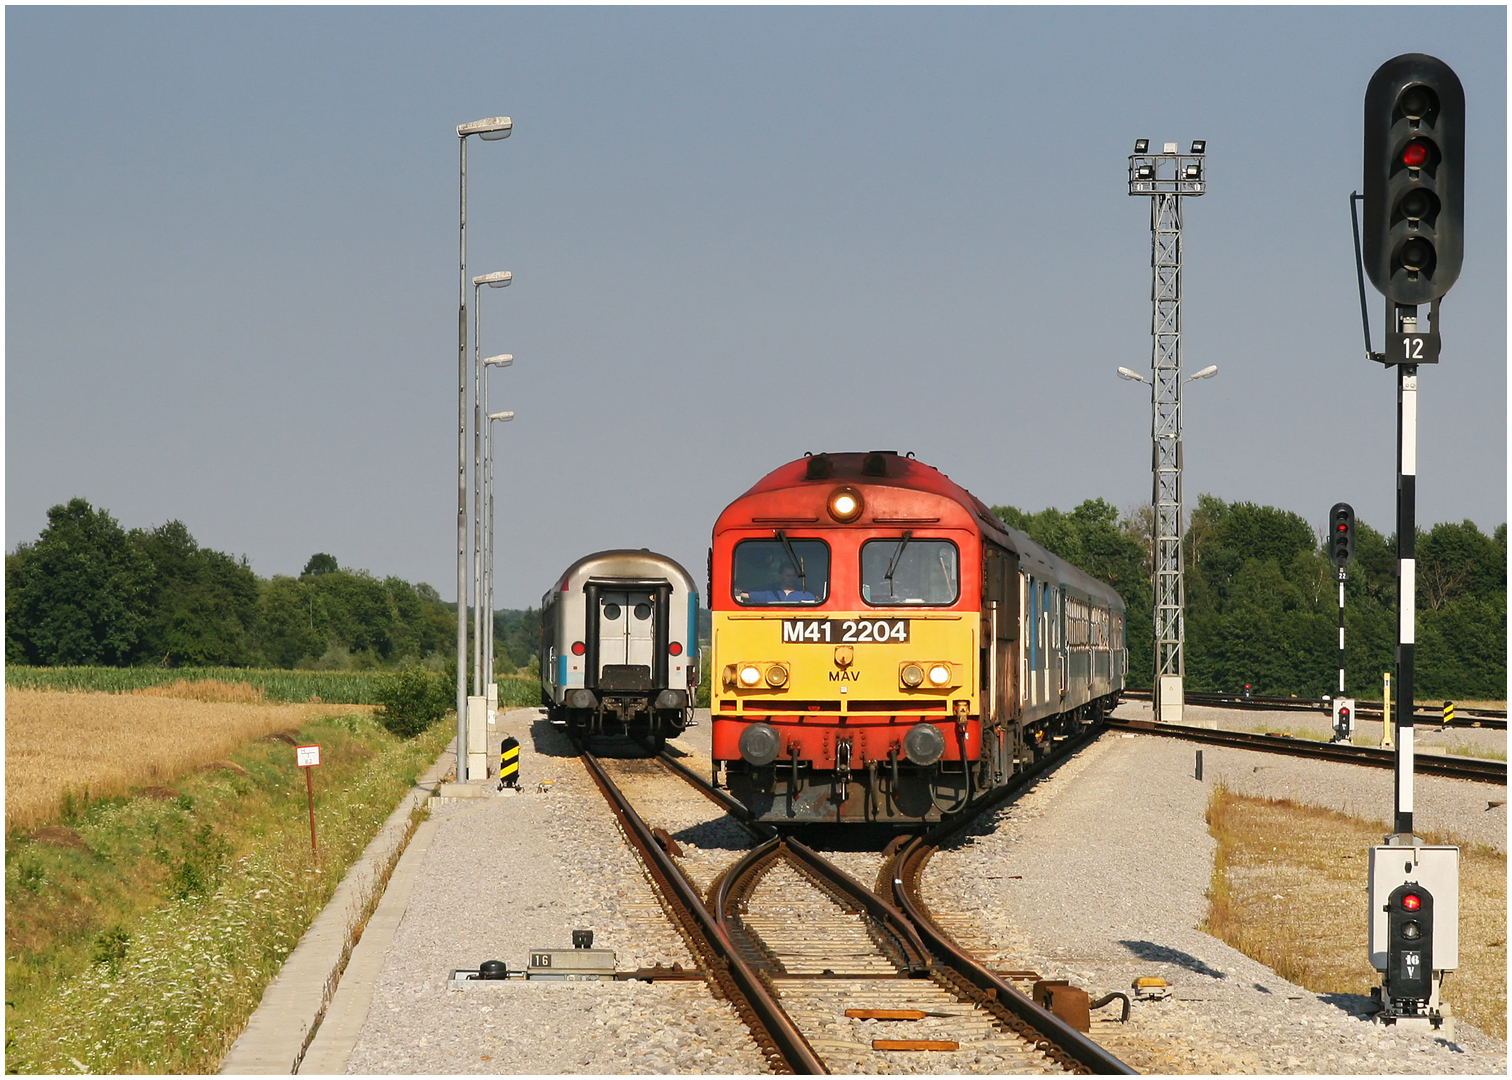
776, 675
911, 675
750, 675
845, 504
939, 674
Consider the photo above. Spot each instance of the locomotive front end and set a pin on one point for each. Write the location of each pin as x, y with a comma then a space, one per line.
847, 636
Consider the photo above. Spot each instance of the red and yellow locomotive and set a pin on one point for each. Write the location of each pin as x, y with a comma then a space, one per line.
886, 650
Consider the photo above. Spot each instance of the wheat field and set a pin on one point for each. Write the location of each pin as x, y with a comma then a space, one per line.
59, 743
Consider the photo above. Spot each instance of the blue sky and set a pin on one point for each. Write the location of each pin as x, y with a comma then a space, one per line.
737, 234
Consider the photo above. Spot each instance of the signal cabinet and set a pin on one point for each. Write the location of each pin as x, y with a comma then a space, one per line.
1435, 869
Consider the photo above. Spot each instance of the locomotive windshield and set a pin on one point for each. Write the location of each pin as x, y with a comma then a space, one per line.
781, 571
908, 570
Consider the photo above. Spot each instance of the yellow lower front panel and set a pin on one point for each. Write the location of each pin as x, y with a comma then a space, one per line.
844, 662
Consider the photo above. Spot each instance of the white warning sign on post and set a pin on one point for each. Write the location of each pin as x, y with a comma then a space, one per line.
307, 755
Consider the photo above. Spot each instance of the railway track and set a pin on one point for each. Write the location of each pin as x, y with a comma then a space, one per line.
1495, 719
1462, 768
826, 972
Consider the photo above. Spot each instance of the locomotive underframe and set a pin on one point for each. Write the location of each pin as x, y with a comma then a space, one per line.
892, 789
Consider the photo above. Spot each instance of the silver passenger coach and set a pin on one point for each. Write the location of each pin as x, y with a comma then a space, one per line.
619, 646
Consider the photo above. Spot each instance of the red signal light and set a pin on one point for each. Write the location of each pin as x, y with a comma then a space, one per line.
578, 648
1415, 156
675, 648
1412, 901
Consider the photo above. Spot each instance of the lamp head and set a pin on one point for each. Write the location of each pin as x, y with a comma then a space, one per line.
502, 360
496, 280
495, 127
1206, 373
1125, 373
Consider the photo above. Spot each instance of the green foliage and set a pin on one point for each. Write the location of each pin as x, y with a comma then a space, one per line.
412, 701
1092, 539
88, 593
203, 604
517, 638
347, 687
80, 595
121, 962
1262, 606
320, 563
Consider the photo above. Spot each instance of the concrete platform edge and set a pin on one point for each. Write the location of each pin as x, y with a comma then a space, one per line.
280, 1029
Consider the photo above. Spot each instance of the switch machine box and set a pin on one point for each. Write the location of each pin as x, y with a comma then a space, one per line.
572, 965
1435, 869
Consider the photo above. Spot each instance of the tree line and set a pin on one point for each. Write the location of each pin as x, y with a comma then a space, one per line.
1261, 602
88, 592
1262, 599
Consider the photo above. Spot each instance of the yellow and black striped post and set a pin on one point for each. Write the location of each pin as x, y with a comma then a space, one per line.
509, 763
1448, 712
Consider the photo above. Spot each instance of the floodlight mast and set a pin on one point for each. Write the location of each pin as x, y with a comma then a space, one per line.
1166, 179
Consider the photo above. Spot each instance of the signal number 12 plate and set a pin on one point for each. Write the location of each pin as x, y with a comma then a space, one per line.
844, 631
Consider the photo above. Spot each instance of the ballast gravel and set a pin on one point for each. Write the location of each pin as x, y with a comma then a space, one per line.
511, 873
1098, 875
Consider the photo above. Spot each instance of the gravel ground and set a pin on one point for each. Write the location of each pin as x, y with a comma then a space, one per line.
1111, 851
1455, 808
1098, 875
510, 873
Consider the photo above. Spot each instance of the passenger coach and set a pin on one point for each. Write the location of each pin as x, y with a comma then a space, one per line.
619, 646
885, 649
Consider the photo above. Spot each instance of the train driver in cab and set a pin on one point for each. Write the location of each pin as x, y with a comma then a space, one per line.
788, 590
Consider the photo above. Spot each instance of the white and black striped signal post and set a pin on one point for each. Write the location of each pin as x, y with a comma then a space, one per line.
1413, 247
1341, 553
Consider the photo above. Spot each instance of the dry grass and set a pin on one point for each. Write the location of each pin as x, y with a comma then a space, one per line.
59, 745
213, 690
1289, 890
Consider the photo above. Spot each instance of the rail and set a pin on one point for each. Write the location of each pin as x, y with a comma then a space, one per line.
922, 946
776, 1035
1464, 716
1461, 768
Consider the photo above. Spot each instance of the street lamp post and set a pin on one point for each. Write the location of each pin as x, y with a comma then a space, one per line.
497, 127
496, 280
503, 360
498, 417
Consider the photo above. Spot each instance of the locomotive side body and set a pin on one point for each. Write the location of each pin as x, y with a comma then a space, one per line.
619, 646
886, 650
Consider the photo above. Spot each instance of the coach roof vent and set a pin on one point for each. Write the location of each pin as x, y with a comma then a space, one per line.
875, 463
819, 468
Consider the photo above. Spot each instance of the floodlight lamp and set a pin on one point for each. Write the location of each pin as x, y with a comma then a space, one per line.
1194, 171
1145, 172
1141, 145
1170, 148
502, 360
495, 127
497, 280
1199, 146
1125, 373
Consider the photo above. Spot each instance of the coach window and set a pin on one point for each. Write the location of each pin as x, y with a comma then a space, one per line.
780, 572
907, 570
